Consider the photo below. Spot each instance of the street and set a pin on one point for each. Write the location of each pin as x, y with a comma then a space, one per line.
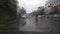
42, 26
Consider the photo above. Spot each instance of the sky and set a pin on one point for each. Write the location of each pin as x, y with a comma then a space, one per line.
31, 5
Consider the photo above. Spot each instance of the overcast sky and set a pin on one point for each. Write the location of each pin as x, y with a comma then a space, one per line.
31, 5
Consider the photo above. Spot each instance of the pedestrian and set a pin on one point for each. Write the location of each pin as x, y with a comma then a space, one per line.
36, 19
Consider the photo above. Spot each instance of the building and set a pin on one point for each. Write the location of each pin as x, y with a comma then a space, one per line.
53, 4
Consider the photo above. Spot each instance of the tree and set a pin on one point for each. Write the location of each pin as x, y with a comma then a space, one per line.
33, 13
22, 11
40, 10
8, 10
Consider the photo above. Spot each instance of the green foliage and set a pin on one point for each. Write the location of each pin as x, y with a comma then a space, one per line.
8, 10
22, 11
8, 5
3, 2
41, 12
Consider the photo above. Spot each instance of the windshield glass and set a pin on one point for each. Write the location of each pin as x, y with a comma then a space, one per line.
30, 16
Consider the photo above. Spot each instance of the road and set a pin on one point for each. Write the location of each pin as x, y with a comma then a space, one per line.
42, 26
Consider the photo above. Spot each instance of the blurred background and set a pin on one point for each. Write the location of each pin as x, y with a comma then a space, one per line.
30, 16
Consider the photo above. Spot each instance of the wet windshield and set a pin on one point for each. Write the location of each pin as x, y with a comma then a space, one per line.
30, 16
40, 16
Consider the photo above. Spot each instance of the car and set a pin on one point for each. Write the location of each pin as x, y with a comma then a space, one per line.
56, 16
